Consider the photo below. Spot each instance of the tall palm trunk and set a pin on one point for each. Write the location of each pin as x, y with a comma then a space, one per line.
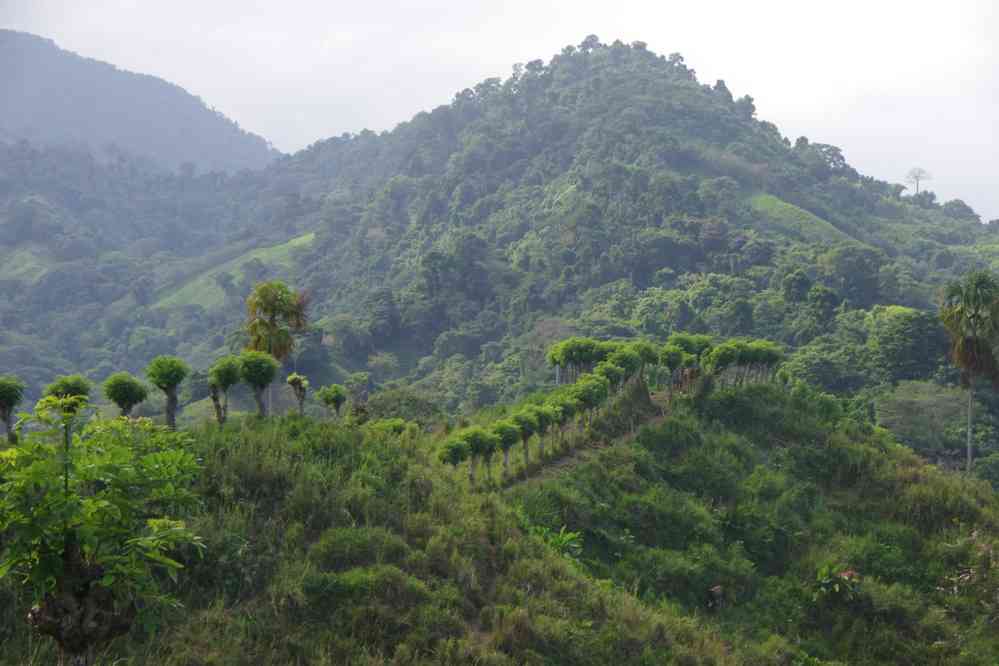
971, 404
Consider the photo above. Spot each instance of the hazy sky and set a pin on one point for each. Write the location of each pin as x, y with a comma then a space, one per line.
895, 84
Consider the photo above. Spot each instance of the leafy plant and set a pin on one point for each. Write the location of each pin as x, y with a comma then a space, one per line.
89, 519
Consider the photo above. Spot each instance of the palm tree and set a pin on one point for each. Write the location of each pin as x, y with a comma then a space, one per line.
274, 313
970, 313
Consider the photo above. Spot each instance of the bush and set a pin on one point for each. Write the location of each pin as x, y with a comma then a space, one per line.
344, 547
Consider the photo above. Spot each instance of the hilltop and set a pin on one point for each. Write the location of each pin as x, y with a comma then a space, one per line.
53, 96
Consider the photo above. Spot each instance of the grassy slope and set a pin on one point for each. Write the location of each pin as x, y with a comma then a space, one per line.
758, 492
332, 544
789, 220
23, 263
202, 290
329, 543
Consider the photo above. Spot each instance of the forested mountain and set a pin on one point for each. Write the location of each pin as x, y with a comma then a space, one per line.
606, 192
628, 377
53, 96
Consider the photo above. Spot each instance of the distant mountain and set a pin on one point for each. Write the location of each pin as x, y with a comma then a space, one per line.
55, 96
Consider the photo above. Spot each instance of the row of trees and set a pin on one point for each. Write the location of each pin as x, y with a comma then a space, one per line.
480, 443
683, 357
597, 369
275, 314
257, 369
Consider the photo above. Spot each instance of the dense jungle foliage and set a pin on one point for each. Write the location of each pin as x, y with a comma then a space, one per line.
606, 192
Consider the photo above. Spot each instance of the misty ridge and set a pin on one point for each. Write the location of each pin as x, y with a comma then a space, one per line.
591, 365
52, 96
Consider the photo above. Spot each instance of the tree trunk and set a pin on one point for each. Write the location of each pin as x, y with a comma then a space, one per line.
217, 404
80, 614
971, 403
225, 407
541, 447
506, 462
258, 395
8, 421
471, 470
527, 452
171, 408
126, 411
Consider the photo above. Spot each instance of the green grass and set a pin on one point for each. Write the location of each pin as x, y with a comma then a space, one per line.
203, 291
22, 264
788, 219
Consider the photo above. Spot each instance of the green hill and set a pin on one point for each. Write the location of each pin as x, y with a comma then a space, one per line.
757, 523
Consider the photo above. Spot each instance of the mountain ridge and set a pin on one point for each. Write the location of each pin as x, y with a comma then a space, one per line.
57, 96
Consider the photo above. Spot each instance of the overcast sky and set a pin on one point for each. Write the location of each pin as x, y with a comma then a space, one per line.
895, 84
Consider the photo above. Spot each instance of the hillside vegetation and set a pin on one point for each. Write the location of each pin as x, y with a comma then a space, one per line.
748, 526
606, 192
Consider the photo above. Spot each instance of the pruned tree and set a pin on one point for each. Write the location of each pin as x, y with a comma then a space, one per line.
970, 314
527, 422
566, 407
166, 373
508, 434
545, 417
333, 396
611, 372
454, 452
591, 390
299, 386
481, 445
222, 376
68, 386
11, 395
917, 175
258, 369
125, 391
